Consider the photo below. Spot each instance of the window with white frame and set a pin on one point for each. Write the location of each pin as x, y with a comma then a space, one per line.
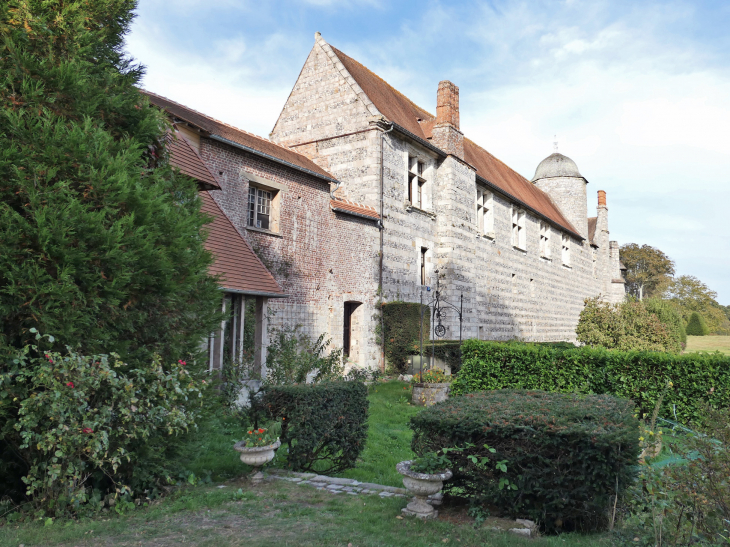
566, 250
544, 240
416, 183
518, 228
485, 212
260, 208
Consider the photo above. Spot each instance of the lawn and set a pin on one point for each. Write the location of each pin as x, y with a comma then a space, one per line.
708, 343
225, 510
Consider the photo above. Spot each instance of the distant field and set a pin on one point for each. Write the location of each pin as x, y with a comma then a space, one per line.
708, 343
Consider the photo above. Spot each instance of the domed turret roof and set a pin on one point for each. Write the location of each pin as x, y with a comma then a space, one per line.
556, 165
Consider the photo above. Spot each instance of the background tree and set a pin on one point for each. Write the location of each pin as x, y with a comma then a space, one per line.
696, 325
692, 295
648, 270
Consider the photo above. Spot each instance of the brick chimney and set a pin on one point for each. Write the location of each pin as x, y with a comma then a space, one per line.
601, 198
446, 134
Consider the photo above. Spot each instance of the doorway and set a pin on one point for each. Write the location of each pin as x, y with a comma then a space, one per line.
350, 329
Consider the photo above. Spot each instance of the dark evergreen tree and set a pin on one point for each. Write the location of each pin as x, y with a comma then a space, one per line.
100, 242
99, 238
697, 325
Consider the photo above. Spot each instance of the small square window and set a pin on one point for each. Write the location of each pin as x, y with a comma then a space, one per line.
261, 213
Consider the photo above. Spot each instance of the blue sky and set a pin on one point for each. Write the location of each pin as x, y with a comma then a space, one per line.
638, 93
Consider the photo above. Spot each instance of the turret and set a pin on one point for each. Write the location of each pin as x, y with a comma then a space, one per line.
558, 176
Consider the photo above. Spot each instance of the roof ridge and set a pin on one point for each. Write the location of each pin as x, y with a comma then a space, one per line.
338, 52
495, 158
222, 122
353, 202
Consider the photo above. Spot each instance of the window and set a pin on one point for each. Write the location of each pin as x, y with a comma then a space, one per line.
518, 228
259, 208
416, 183
423, 265
485, 212
544, 239
566, 250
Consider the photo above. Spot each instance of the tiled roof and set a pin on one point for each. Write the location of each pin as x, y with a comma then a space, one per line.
238, 136
592, 230
352, 208
186, 158
389, 101
239, 267
399, 109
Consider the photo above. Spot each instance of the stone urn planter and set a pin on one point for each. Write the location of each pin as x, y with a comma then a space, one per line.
426, 394
256, 456
421, 485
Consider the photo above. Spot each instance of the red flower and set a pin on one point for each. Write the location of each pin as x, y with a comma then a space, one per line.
70, 384
88, 430
261, 430
183, 363
249, 432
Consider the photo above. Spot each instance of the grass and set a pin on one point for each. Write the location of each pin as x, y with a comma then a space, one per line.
231, 512
708, 343
275, 513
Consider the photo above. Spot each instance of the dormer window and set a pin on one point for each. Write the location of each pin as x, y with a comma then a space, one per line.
416, 183
544, 240
485, 212
518, 228
566, 250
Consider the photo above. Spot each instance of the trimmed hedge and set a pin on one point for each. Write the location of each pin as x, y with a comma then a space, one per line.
697, 379
324, 422
402, 330
564, 453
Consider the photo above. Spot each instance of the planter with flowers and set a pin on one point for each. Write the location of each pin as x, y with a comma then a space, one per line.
430, 387
424, 477
258, 448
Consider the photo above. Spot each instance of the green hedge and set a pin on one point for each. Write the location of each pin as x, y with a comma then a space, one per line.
697, 379
324, 422
446, 350
402, 331
564, 453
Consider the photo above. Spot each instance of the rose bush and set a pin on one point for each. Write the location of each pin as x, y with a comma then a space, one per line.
86, 425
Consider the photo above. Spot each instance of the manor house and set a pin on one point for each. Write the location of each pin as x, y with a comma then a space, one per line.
524, 254
360, 189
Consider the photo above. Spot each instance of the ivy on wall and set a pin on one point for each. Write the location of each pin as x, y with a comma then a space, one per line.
402, 331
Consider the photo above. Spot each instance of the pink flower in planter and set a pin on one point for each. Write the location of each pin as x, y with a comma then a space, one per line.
88, 430
70, 384
181, 362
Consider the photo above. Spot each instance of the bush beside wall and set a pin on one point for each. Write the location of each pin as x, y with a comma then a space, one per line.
324, 422
696, 379
402, 331
564, 454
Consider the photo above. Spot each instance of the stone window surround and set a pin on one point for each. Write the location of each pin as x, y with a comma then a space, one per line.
545, 236
485, 213
277, 190
426, 204
518, 232
565, 248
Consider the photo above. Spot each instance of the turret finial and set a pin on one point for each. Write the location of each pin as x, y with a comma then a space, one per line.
555, 143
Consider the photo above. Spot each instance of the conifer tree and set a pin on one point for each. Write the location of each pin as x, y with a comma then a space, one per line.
697, 325
100, 240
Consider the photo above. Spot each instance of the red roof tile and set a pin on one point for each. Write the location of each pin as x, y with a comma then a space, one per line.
493, 170
186, 158
239, 267
357, 209
399, 109
389, 101
236, 135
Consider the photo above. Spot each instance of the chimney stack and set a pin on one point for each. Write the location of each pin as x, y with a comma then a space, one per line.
601, 198
446, 134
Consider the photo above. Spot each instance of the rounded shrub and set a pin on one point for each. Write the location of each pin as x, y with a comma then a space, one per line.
697, 325
559, 459
402, 331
